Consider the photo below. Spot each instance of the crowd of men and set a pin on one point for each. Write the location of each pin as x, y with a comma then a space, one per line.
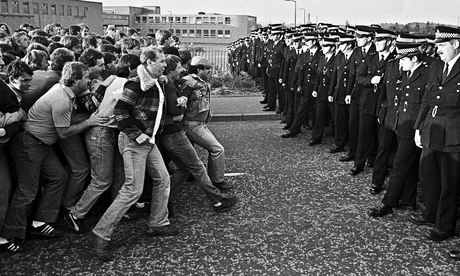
393, 98
82, 114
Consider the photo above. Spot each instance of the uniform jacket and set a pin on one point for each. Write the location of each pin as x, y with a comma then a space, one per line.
370, 94
275, 58
309, 72
439, 116
355, 90
289, 65
412, 92
340, 80
388, 103
324, 77
300, 63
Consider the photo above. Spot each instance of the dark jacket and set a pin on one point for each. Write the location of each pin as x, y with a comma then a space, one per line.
323, 77
341, 78
388, 103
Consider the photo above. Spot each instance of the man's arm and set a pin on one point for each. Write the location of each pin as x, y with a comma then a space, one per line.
93, 120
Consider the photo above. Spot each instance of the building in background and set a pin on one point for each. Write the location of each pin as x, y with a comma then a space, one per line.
39, 13
197, 29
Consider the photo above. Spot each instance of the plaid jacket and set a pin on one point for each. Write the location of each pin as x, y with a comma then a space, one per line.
136, 110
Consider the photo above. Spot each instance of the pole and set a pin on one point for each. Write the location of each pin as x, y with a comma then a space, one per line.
170, 21
304, 12
295, 13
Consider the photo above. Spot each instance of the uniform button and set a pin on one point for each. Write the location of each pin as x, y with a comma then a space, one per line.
408, 86
407, 94
438, 97
440, 87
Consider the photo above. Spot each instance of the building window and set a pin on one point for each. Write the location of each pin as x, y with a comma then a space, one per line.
137, 20
177, 32
213, 20
170, 19
220, 20
25, 8
35, 8
192, 20
83, 11
157, 20
227, 20
151, 20
199, 20
4, 6
184, 20
184, 33
205, 20
76, 11
15, 6
198, 33
61, 10
220, 33
44, 8
144, 19
227, 33
177, 19
191, 33
163, 19
69, 10
205, 33
53, 9
213, 33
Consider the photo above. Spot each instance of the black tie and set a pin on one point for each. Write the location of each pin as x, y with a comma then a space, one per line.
364, 51
446, 72
408, 74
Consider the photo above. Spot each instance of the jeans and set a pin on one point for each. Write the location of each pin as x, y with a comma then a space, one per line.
136, 159
34, 161
199, 134
5, 184
183, 154
106, 167
75, 154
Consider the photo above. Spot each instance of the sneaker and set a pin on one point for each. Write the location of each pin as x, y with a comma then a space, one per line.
101, 248
46, 230
76, 224
130, 216
15, 246
167, 230
222, 185
226, 204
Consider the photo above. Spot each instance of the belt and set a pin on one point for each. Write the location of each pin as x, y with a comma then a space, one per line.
436, 111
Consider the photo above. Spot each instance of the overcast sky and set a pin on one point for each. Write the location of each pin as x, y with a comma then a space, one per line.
330, 11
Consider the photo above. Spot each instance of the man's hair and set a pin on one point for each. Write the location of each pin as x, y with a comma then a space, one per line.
36, 46
72, 72
90, 56
150, 53
35, 58
74, 30
128, 44
53, 46
49, 28
17, 68
108, 38
185, 55
126, 64
60, 57
171, 63
40, 39
131, 31
161, 36
89, 41
14, 38
70, 41
107, 48
109, 58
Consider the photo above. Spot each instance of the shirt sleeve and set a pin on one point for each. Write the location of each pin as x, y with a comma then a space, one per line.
61, 111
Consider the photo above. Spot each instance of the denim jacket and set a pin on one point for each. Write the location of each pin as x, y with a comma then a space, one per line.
198, 93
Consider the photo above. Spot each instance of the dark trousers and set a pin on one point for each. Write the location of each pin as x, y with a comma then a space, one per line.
368, 133
404, 175
290, 107
281, 97
353, 128
263, 72
323, 109
273, 88
305, 105
387, 142
440, 181
33, 161
341, 124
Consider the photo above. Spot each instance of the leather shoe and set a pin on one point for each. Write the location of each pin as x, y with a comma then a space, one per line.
336, 149
346, 158
263, 102
286, 127
288, 134
419, 220
439, 236
406, 206
455, 254
381, 211
313, 143
355, 171
267, 109
375, 190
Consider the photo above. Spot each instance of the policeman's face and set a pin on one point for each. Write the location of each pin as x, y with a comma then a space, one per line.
407, 63
362, 41
343, 47
309, 43
382, 45
447, 50
326, 49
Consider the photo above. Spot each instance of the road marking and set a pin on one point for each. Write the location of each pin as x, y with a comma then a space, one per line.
235, 174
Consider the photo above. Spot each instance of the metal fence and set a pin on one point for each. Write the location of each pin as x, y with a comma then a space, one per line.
216, 55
